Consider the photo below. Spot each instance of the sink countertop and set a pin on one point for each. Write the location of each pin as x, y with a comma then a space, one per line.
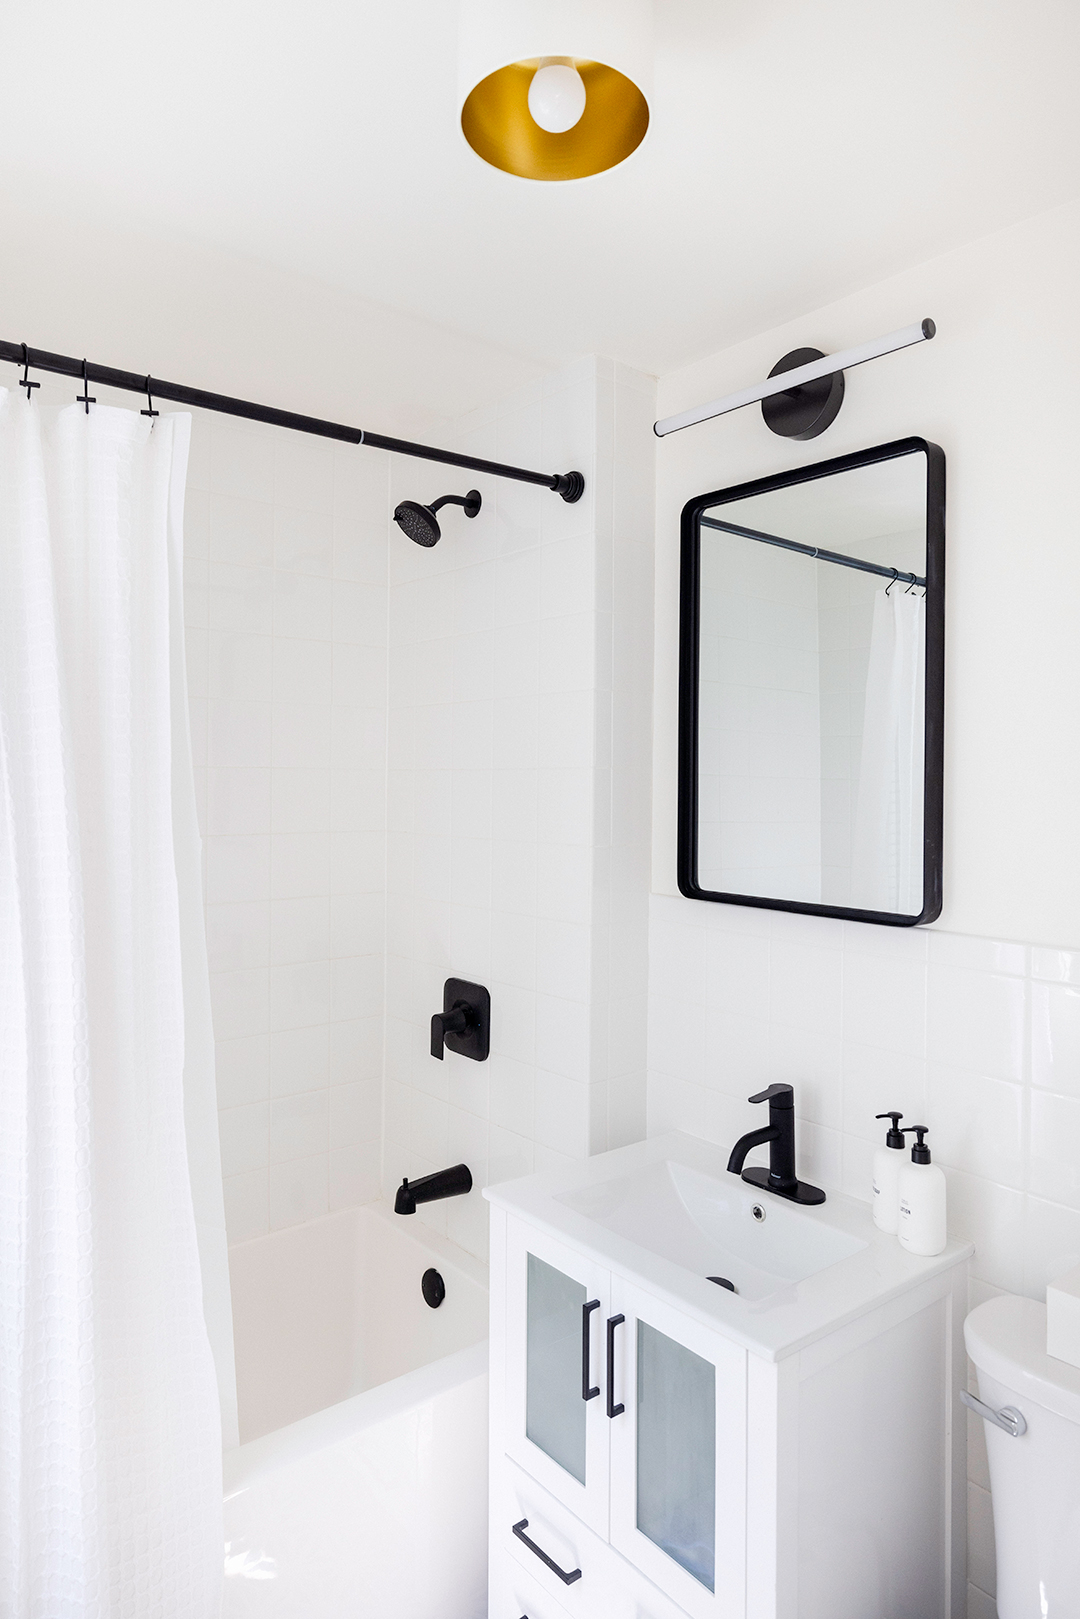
791, 1316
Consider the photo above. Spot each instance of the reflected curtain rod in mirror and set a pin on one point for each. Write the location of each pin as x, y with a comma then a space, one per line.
897, 576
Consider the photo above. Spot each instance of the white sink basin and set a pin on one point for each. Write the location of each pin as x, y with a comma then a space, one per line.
710, 1227
665, 1214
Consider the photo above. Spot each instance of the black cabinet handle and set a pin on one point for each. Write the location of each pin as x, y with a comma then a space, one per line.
614, 1321
567, 1579
587, 1393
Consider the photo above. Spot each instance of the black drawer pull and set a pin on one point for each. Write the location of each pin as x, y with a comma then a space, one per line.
587, 1393
614, 1321
567, 1579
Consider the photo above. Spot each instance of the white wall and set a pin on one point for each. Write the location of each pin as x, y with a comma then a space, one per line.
973, 1026
518, 795
80, 280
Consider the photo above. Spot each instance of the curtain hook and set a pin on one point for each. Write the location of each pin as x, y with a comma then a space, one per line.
150, 402
85, 398
910, 587
26, 383
892, 581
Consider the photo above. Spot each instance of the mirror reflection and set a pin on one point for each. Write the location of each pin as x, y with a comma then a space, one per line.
811, 693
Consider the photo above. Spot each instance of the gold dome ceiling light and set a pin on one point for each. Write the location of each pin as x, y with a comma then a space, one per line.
555, 89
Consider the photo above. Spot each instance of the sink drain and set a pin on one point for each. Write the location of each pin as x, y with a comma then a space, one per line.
722, 1281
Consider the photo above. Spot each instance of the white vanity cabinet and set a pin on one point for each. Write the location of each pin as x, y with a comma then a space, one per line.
653, 1460
662, 1447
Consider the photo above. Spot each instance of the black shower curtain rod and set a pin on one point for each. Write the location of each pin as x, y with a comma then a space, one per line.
570, 485
895, 574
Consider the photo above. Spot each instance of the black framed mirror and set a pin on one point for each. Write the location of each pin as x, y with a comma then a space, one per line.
812, 691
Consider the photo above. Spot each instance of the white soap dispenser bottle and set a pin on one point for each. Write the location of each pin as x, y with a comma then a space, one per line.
922, 1228
888, 1162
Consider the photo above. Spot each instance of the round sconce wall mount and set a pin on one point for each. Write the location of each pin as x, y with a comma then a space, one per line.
802, 413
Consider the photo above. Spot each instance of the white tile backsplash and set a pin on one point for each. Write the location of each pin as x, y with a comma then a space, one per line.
977, 1038
1055, 1034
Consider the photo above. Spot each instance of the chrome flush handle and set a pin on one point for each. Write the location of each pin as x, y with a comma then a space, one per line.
1008, 1418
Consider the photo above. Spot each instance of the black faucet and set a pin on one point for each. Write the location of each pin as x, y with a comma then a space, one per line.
780, 1176
452, 1182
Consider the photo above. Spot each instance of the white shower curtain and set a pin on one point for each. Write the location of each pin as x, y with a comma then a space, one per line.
887, 845
110, 1458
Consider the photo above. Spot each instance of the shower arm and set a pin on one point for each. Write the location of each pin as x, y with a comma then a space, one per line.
570, 485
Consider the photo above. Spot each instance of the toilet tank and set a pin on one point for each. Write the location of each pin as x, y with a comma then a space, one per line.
1034, 1479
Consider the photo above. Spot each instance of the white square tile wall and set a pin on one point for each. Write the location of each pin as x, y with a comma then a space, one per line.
517, 830
977, 1038
285, 578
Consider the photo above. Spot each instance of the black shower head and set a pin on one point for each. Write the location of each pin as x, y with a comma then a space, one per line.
421, 524
418, 522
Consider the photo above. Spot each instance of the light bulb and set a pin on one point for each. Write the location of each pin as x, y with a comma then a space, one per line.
556, 96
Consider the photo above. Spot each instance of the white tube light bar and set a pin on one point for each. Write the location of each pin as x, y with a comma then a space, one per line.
921, 332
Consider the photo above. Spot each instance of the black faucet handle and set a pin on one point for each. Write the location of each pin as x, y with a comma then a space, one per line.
780, 1095
456, 1021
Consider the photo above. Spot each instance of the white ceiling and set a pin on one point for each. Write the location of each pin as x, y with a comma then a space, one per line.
799, 149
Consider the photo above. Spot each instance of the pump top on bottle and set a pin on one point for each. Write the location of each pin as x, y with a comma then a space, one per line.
887, 1162
920, 1152
894, 1137
922, 1227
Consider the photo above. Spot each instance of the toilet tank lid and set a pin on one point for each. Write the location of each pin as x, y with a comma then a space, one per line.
1006, 1338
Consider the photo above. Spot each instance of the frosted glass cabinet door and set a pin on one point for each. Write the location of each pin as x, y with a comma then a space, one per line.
556, 1306
678, 1454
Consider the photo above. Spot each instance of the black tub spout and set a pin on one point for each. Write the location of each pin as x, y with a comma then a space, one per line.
452, 1182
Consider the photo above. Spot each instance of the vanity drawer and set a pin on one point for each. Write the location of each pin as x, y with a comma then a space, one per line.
609, 1587
514, 1594
554, 1532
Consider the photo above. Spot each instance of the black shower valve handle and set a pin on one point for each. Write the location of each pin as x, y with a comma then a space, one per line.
456, 1021
464, 1024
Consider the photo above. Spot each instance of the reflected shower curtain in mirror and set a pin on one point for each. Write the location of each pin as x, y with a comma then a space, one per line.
110, 1460
887, 846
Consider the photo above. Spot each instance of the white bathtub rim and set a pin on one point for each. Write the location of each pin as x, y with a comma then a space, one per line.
449, 1252
337, 1424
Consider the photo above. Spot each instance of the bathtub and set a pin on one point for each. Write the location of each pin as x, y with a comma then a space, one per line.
359, 1488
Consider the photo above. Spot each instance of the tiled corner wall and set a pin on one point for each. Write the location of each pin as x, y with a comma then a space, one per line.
517, 806
622, 770
285, 579
977, 1038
